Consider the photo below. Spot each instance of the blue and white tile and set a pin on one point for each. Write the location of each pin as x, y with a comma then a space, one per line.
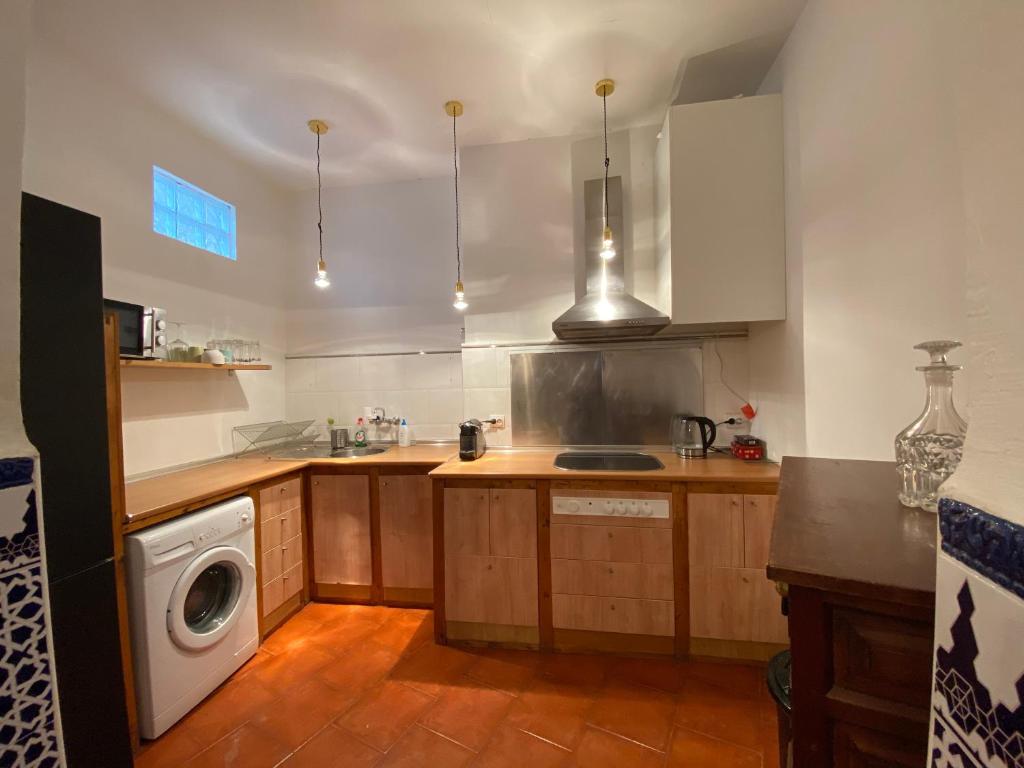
978, 693
28, 729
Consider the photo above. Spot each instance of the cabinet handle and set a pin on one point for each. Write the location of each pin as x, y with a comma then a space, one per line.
610, 534
284, 549
612, 606
316, 482
611, 571
283, 489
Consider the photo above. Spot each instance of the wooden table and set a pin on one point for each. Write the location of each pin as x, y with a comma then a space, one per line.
860, 571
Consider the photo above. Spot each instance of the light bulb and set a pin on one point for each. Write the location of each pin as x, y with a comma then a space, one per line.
460, 296
321, 280
607, 245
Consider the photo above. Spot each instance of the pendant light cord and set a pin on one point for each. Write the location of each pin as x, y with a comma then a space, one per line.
455, 164
319, 205
604, 106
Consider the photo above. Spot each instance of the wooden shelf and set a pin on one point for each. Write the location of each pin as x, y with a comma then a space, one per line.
127, 362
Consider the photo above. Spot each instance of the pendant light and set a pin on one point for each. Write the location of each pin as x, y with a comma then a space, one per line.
604, 89
454, 109
319, 127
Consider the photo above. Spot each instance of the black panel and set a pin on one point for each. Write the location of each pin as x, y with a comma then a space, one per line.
63, 395
90, 681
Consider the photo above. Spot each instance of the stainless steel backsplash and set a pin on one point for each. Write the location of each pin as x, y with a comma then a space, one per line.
619, 395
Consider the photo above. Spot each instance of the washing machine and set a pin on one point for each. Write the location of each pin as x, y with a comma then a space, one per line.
192, 608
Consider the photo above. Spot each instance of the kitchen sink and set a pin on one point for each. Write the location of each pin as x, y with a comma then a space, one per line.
625, 461
323, 452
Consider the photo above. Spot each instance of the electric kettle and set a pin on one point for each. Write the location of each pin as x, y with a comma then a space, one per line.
692, 435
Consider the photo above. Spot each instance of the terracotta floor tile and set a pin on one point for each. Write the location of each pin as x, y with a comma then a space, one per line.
247, 747
359, 668
512, 748
420, 748
301, 712
744, 679
694, 750
334, 748
639, 714
509, 671
292, 633
432, 668
340, 635
727, 715
467, 713
321, 612
233, 704
663, 674
381, 716
574, 669
552, 711
599, 749
406, 631
290, 669
170, 750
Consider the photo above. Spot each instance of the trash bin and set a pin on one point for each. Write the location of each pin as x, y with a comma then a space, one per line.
779, 684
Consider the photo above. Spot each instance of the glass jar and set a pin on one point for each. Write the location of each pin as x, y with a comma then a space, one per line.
929, 450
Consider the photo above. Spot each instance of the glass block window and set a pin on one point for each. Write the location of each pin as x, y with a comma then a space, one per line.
187, 213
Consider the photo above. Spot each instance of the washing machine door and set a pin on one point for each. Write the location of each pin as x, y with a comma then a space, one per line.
207, 599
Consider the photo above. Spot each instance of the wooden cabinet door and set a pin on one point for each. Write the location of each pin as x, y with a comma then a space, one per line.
406, 531
341, 529
758, 516
716, 529
513, 523
491, 590
466, 521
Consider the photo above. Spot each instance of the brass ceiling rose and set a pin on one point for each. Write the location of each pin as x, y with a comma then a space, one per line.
319, 127
453, 108
605, 87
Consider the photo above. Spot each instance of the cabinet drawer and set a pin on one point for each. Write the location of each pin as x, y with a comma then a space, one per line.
611, 543
273, 595
735, 604
882, 656
281, 497
279, 559
279, 529
613, 614
491, 590
592, 577
291, 581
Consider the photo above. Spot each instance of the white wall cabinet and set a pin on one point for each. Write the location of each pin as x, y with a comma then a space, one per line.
720, 212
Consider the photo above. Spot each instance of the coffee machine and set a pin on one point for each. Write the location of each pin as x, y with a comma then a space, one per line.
471, 440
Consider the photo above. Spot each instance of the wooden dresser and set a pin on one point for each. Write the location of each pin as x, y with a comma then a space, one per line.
282, 581
860, 572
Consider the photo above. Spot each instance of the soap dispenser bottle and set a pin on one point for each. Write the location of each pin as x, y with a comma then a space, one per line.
404, 436
929, 450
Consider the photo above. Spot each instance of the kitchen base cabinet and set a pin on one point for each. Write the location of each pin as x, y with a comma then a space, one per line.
280, 567
731, 598
406, 538
490, 565
340, 518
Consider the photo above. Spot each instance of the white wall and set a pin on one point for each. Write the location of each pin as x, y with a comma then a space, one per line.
984, 63
91, 144
874, 230
517, 239
13, 39
390, 251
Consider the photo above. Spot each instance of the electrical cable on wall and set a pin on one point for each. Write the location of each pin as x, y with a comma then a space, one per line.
746, 409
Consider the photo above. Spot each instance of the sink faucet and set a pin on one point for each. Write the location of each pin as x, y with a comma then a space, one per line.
380, 418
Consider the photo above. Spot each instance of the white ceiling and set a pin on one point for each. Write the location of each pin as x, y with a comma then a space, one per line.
249, 73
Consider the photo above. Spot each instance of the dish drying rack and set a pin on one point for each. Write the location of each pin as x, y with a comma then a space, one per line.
261, 438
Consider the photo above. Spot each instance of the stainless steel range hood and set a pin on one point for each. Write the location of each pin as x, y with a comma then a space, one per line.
607, 311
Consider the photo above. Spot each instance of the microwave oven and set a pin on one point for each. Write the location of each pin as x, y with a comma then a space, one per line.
142, 331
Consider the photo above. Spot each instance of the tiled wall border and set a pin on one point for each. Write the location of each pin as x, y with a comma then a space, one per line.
990, 545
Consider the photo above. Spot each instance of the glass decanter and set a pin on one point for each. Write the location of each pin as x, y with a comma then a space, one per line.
929, 450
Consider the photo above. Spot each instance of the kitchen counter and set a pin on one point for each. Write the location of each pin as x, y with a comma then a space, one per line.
539, 464
156, 496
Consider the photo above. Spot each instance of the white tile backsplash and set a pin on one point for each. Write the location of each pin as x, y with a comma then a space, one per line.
426, 390
480, 368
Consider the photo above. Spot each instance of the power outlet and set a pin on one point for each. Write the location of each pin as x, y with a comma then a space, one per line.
499, 421
741, 425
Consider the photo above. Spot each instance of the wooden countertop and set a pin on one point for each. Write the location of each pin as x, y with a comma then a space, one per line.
540, 464
839, 527
155, 496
